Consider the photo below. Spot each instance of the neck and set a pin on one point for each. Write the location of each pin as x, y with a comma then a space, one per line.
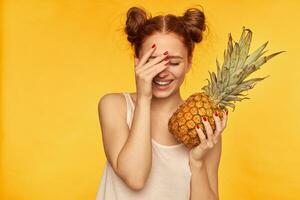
167, 104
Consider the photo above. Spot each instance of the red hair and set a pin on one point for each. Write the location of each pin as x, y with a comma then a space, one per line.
188, 27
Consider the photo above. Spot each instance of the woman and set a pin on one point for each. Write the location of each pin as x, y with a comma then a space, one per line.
144, 161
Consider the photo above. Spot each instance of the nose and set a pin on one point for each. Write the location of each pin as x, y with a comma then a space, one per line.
163, 74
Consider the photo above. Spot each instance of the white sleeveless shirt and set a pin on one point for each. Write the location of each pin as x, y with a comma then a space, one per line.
169, 178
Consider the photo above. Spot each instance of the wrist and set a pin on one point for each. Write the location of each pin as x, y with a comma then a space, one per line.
143, 100
196, 164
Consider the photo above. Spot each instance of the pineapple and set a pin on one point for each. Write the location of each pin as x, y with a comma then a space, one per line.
222, 89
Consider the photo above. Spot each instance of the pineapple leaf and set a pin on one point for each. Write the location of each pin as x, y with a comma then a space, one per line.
274, 54
213, 84
229, 82
245, 46
242, 36
235, 57
225, 103
246, 85
207, 88
231, 98
229, 45
256, 54
218, 70
230, 88
234, 98
241, 94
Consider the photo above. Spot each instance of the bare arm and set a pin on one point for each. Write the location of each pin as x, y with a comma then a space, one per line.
204, 180
128, 151
212, 161
135, 157
199, 187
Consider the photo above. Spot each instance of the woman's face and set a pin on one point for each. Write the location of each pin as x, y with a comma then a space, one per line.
177, 68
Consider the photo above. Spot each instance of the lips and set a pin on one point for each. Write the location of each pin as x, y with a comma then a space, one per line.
162, 86
162, 83
163, 80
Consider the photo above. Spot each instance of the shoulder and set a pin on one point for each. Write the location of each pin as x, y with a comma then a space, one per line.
110, 98
112, 102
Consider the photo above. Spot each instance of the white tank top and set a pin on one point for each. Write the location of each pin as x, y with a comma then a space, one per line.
169, 178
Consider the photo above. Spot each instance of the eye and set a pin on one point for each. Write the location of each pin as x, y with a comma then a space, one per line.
174, 63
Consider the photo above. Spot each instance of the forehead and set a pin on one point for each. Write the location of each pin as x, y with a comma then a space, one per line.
165, 42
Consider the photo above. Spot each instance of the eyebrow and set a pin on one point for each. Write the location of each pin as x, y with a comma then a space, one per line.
170, 56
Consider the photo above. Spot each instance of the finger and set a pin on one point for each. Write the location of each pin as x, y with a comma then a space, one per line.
156, 60
225, 118
146, 56
150, 65
209, 130
157, 69
219, 127
201, 135
149, 69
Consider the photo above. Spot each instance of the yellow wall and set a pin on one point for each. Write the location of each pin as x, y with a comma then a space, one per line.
59, 57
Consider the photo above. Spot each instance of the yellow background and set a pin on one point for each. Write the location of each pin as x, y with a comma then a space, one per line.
59, 57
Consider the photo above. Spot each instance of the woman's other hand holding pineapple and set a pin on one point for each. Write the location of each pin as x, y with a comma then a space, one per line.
204, 174
197, 153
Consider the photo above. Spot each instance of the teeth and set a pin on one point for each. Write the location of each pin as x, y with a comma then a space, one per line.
162, 83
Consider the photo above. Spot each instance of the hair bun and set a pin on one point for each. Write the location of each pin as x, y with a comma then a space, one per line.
136, 18
194, 21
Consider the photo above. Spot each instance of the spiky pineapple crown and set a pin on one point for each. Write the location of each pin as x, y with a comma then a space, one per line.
226, 87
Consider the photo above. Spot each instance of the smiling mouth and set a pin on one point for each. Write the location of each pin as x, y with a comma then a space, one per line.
162, 83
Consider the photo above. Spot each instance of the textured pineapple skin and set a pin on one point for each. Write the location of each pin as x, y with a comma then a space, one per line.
183, 122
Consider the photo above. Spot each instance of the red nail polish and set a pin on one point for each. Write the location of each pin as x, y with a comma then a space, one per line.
226, 112
204, 118
166, 58
216, 114
165, 53
153, 45
197, 126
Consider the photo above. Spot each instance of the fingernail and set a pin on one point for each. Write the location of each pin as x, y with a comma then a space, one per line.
216, 114
197, 126
204, 118
166, 58
167, 63
226, 112
166, 52
153, 45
